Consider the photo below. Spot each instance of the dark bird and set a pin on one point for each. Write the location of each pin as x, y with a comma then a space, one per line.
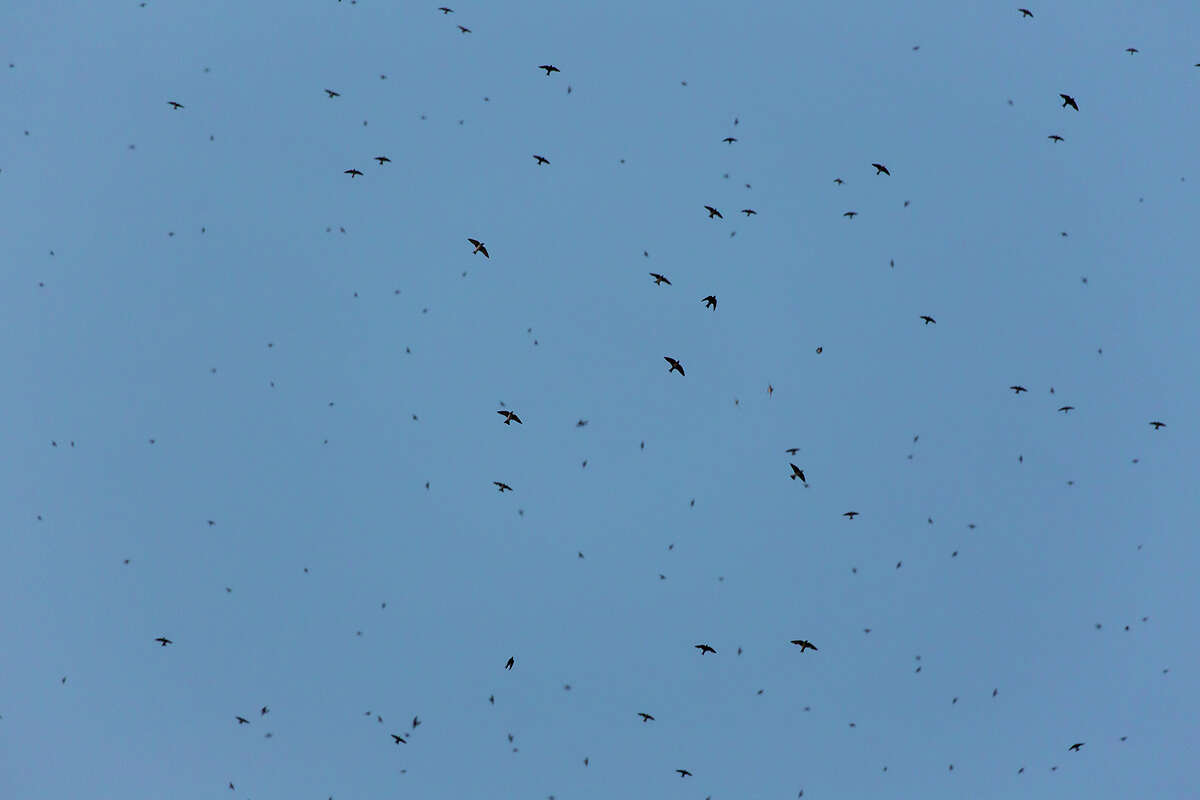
332, 94
1054, 137
804, 644
163, 641
645, 717
850, 214
549, 68
880, 169
703, 648
541, 160
792, 450
850, 514
512, 660
1069, 101
445, 10
1065, 409
838, 181
464, 29
510, 417
383, 160
1018, 389
1156, 424
262, 712
399, 739
416, 721
928, 319
1025, 12
729, 140
659, 279
504, 487
797, 473
242, 721
174, 105
675, 365
749, 211
1131, 50
1076, 746
712, 212
479, 248
710, 302
352, 173
683, 773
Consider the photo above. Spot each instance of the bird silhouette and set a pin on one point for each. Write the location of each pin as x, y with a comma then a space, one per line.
332, 94
659, 279
416, 721
163, 641
850, 214
850, 514
504, 487
710, 302
510, 417
512, 660
880, 169
1156, 424
703, 648
541, 160
797, 473
675, 366
353, 173
1131, 50
729, 140
399, 739
1066, 409
1076, 747
549, 68
792, 450
479, 248
1025, 12
712, 212
262, 712
683, 773
445, 10
1069, 101
383, 160
1054, 137
242, 721
805, 644
928, 319
174, 105
645, 717
749, 212
464, 29
1018, 389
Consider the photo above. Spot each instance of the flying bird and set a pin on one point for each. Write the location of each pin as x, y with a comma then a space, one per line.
399, 739
928, 319
1025, 12
710, 302
850, 214
174, 105
1018, 389
1054, 137
675, 365
383, 160
703, 648
1076, 746
1131, 50
541, 160
504, 487
549, 68
1066, 409
729, 140
805, 644
352, 173
510, 417
242, 721
511, 660
1069, 101
445, 10
659, 279
749, 211
464, 29
712, 212
163, 641
838, 181
645, 717
880, 169
332, 94
262, 712
792, 450
850, 514
1156, 424
797, 473
479, 248
683, 773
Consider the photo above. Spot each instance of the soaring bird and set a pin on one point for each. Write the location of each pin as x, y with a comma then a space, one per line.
1076, 746
242, 721
416, 721
511, 660
479, 248
850, 514
541, 160
683, 773
659, 279
1018, 389
850, 214
262, 712
174, 105
1054, 137
504, 487
749, 212
792, 450
445, 10
1131, 50
645, 717
675, 365
880, 169
464, 29
332, 94
383, 160
1025, 12
805, 644
1066, 409
1156, 424
710, 302
712, 212
399, 739
703, 648
352, 173
1069, 101
928, 319
163, 641
549, 68
729, 140
838, 181
510, 417
797, 473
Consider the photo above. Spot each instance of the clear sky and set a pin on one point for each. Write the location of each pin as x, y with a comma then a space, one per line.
250, 399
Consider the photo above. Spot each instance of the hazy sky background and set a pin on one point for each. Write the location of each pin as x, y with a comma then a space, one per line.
189, 335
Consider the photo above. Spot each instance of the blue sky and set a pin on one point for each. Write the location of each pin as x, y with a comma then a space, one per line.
206, 320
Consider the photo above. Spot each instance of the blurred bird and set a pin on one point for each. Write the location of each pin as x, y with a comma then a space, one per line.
1025, 12
880, 169
675, 366
1156, 424
928, 319
659, 279
541, 160
1076, 746
683, 773
645, 717
1054, 137
504, 487
399, 739
510, 417
1018, 389
509, 665
797, 473
710, 302
850, 514
383, 160
712, 212
729, 140
163, 641
353, 173
479, 248
703, 648
1069, 101
332, 94
749, 211
549, 68
174, 105
804, 644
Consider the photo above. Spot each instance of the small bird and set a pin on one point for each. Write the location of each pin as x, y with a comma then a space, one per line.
712, 212
710, 302
464, 29
675, 365
445, 10
174, 105
1066, 409
797, 473
479, 248
792, 450
163, 641
880, 169
749, 212
928, 319
353, 173
332, 94
703, 648
512, 660
1069, 101
1131, 50
838, 181
504, 487
416, 721
804, 644
729, 140
242, 721
549, 68
1018, 389
1025, 12
850, 214
399, 739
645, 717
383, 160
683, 773
850, 514
1076, 746
1156, 424
262, 712
510, 417
541, 160
659, 279
1054, 137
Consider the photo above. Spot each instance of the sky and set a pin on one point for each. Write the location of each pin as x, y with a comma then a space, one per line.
250, 400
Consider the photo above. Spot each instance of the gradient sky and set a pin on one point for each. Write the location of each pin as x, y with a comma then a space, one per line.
205, 319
